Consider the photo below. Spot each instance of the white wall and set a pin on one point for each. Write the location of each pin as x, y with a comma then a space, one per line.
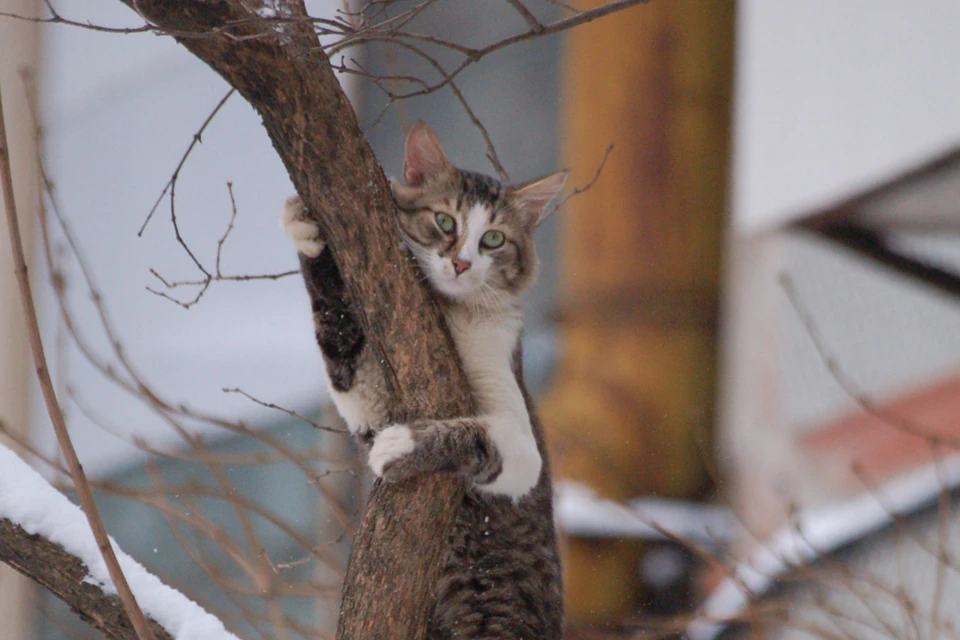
835, 95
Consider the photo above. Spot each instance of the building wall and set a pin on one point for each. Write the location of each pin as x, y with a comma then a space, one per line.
835, 96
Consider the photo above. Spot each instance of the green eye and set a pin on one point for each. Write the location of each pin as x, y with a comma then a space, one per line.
446, 223
492, 239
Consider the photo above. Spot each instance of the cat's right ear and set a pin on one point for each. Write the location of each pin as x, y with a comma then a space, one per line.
424, 159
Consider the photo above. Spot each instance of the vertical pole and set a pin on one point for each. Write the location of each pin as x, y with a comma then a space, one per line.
20, 48
632, 409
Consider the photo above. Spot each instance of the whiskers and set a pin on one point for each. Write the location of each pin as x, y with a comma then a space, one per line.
489, 300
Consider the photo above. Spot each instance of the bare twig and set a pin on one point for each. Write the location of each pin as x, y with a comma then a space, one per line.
473, 55
233, 218
53, 408
57, 19
217, 275
171, 183
289, 412
491, 150
585, 187
531, 19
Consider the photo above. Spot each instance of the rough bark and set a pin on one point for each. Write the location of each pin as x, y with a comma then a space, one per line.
287, 78
48, 564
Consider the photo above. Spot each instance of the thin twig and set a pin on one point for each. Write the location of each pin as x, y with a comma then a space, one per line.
847, 384
217, 275
473, 55
578, 190
171, 183
531, 19
491, 150
289, 412
57, 19
208, 277
223, 238
137, 618
221, 278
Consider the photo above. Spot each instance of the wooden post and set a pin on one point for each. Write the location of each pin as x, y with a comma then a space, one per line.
632, 409
21, 48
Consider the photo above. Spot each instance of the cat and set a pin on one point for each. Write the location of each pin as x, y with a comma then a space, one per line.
472, 239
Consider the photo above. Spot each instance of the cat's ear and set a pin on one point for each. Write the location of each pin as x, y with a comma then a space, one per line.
531, 198
404, 195
424, 159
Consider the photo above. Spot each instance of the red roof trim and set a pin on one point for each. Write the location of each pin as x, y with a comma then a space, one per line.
900, 439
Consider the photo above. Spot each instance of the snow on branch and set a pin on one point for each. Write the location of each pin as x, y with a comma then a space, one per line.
46, 537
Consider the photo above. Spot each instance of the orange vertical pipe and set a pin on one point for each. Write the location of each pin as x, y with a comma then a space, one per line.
631, 411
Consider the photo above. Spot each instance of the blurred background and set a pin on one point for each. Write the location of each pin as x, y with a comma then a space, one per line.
745, 341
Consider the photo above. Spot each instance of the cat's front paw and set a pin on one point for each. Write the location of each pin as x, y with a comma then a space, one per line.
389, 448
301, 228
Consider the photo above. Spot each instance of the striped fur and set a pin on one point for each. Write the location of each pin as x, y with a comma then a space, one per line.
501, 578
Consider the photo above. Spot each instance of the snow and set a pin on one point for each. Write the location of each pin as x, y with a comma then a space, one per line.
817, 532
28, 500
581, 512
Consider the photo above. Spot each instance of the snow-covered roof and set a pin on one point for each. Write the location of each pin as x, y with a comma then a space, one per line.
817, 532
581, 512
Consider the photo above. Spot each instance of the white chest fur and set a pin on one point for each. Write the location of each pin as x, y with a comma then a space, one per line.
485, 344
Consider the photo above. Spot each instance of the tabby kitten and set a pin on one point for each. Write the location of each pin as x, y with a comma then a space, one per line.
472, 238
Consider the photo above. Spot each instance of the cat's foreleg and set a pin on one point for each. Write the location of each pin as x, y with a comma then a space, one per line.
497, 453
301, 228
356, 380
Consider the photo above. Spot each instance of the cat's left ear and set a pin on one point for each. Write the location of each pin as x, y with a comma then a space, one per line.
532, 198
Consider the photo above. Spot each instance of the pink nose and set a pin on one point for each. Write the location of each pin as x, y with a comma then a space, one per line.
460, 265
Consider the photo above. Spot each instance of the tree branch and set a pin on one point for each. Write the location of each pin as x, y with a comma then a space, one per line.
65, 576
43, 535
286, 77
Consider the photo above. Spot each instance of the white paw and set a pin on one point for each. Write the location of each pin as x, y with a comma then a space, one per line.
304, 232
521, 458
393, 442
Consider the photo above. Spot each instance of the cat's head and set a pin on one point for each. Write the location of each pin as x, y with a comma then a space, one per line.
472, 235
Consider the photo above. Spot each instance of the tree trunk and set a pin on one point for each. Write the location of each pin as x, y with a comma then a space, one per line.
284, 74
